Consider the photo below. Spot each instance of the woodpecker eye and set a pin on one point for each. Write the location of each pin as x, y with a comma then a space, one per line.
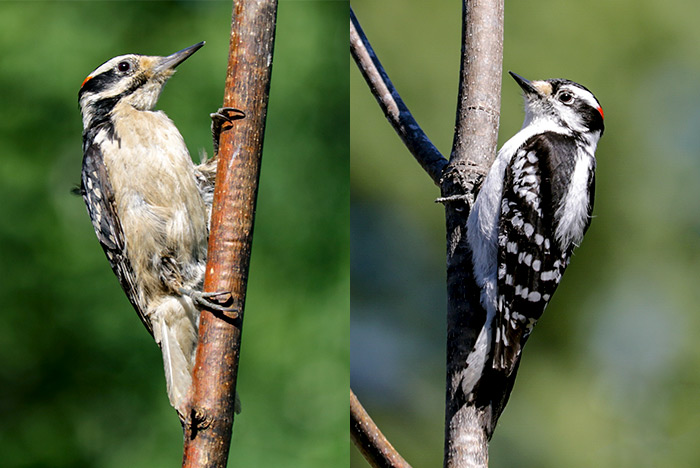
566, 97
124, 67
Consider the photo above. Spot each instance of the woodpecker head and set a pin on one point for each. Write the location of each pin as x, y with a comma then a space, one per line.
136, 80
564, 103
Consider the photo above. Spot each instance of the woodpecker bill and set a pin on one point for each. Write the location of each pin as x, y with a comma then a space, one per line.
149, 204
533, 209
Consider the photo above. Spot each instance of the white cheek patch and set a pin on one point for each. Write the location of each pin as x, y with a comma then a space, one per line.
568, 115
115, 90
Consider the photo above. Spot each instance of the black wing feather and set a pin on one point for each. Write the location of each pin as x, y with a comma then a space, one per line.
99, 198
531, 262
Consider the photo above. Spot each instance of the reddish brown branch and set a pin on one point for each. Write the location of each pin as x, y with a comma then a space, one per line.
208, 432
369, 439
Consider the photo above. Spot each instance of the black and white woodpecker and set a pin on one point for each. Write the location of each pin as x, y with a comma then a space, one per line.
149, 204
532, 211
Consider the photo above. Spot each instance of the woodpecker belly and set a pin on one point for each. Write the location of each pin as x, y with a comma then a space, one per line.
156, 197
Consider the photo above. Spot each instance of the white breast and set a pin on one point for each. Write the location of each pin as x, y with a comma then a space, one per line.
572, 214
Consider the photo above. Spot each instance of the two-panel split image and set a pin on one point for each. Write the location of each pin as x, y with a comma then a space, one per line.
262, 233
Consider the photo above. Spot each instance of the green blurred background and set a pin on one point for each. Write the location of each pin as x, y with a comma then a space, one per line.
81, 382
611, 377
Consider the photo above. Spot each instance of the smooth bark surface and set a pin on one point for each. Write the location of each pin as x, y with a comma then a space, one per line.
208, 432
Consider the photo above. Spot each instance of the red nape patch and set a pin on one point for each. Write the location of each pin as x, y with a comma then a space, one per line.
600, 109
90, 77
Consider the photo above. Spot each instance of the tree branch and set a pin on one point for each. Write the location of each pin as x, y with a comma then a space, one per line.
208, 432
478, 108
370, 441
392, 105
467, 426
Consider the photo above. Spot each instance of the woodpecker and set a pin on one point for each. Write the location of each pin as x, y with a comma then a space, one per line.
533, 209
149, 204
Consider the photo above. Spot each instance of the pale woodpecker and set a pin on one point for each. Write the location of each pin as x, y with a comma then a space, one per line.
149, 204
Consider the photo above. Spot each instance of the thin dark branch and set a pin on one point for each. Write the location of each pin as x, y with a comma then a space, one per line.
369, 439
468, 427
392, 105
208, 432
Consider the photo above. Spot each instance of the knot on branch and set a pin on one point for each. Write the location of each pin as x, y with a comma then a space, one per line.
460, 183
488, 110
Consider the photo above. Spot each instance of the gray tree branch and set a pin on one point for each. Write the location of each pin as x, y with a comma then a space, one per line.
468, 427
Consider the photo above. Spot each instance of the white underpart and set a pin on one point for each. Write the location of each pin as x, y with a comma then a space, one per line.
572, 214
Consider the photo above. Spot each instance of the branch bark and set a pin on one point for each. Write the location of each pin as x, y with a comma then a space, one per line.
208, 432
468, 427
392, 105
370, 441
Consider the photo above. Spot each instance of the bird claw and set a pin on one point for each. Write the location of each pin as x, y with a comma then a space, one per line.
227, 114
222, 120
210, 300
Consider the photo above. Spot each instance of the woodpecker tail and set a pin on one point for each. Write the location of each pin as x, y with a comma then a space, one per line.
175, 323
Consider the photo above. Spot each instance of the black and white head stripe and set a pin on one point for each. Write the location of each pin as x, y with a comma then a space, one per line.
580, 101
109, 77
136, 80
576, 109
108, 84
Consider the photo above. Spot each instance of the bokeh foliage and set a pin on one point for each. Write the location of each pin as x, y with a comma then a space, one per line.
611, 376
81, 382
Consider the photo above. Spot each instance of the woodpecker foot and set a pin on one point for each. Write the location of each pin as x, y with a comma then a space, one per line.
199, 420
210, 300
226, 115
453, 198
222, 120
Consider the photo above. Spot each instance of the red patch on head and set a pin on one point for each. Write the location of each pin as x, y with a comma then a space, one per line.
90, 77
600, 109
